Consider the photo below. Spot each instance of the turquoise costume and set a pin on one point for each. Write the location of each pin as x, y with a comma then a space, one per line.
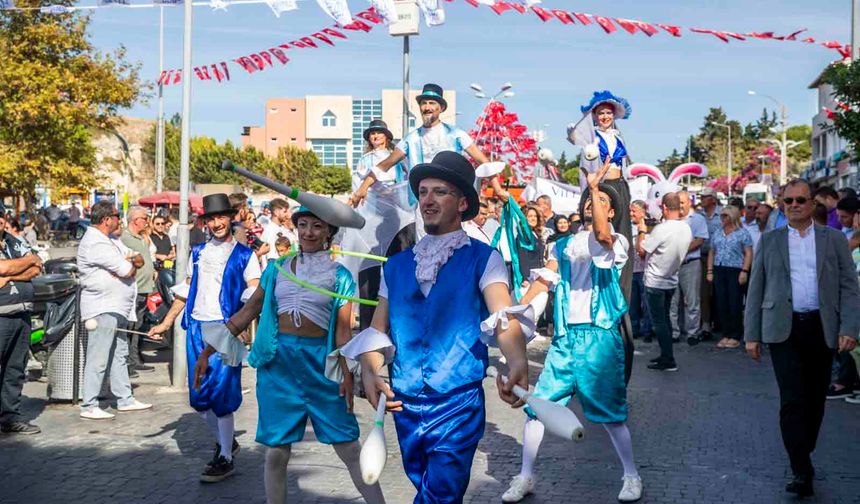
587, 358
291, 381
221, 388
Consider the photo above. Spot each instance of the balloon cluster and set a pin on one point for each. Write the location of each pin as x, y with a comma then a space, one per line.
499, 134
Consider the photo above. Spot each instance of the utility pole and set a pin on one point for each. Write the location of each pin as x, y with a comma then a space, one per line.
855, 30
405, 86
159, 127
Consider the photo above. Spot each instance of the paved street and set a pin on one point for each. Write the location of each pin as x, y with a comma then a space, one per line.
707, 433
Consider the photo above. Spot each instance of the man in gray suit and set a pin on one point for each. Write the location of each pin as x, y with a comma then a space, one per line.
803, 302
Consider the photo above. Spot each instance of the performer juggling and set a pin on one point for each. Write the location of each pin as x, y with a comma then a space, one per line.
298, 328
587, 353
597, 133
432, 300
220, 271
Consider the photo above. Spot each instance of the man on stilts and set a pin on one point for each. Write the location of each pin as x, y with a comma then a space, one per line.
432, 300
587, 353
220, 272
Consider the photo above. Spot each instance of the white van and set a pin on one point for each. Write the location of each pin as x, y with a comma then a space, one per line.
758, 191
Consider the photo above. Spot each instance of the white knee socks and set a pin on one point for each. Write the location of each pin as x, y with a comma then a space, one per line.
275, 474
225, 435
532, 436
349, 453
620, 436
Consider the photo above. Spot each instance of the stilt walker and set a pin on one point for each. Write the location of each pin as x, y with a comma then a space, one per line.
220, 272
587, 353
432, 300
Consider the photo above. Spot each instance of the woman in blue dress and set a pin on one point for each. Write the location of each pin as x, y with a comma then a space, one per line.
299, 328
586, 358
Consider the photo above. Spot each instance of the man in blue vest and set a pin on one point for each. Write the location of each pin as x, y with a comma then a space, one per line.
422, 144
219, 272
433, 298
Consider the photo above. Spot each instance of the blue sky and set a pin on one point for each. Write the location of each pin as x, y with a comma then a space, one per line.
670, 82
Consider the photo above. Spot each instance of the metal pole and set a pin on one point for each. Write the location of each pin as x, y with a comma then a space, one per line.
782, 149
159, 127
405, 87
855, 30
180, 364
729, 127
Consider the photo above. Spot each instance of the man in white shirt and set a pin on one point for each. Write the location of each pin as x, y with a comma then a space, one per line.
108, 292
279, 226
684, 312
666, 247
475, 227
220, 272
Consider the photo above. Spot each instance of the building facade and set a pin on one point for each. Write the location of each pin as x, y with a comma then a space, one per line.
831, 159
332, 126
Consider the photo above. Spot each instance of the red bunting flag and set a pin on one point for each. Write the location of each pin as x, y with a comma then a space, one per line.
333, 33
218, 76
258, 60
309, 41
279, 54
299, 44
285, 46
605, 23
370, 15
674, 30
473, 3
161, 78
628, 26
563, 16
519, 8
177, 77
246, 63
765, 35
357, 25
583, 18
225, 69
720, 35
500, 7
200, 75
542, 13
268, 57
809, 40
794, 35
645, 28
322, 37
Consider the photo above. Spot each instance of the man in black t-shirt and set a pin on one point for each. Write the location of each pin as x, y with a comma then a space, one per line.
17, 268
164, 248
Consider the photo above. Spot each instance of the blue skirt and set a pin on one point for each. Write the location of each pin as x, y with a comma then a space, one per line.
589, 362
292, 388
221, 388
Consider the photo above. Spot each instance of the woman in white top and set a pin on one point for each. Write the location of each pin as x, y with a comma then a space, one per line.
298, 328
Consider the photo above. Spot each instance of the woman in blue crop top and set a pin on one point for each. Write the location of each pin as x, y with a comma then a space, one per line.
298, 329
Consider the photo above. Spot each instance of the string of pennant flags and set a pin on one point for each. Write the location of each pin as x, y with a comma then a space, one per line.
382, 12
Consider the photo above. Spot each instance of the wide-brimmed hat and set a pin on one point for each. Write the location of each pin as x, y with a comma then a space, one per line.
614, 201
217, 204
303, 211
453, 168
377, 125
433, 92
622, 107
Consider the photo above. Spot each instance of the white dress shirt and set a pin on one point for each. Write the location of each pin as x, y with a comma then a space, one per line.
803, 269
103, 269
210, 272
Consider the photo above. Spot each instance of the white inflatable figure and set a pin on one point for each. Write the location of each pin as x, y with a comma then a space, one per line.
545, 156
663, 185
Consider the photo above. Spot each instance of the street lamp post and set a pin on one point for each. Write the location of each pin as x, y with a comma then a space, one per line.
728, 154
783, 144
159, 134
504, 91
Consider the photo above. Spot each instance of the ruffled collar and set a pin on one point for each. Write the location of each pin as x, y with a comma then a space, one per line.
433, 251
316, 267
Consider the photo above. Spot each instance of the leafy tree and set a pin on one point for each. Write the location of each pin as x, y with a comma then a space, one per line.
55, 89
845, 79
331, 180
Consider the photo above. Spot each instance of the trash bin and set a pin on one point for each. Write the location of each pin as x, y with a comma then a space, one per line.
57, 302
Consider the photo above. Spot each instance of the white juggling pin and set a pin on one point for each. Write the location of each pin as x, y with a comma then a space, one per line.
374, 452
557, 419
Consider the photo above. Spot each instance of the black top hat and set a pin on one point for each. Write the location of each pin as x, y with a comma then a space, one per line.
450, 167
377, 125
217, 204
433, 92
614, 201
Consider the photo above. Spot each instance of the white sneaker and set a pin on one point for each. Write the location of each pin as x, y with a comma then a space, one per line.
96, 413
135, 405
520, 487
632, 489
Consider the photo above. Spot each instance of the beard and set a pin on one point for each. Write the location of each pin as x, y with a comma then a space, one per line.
431, 229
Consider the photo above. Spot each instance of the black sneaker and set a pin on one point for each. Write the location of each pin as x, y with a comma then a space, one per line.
655, 359
662, 366
842, 393
143, 368
217, 454
24, 428
132, 373
705, 336
219, 471
676, 340
692, 340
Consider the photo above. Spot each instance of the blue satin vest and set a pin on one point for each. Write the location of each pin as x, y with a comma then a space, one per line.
438, 337
415, 153
232, 283
620, 154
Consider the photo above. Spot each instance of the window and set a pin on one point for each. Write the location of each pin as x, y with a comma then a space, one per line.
273, 140
330, 152
273, 110
293, 140
292, 109
329, 119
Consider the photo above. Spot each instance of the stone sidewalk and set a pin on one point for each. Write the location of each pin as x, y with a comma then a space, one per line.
706, 434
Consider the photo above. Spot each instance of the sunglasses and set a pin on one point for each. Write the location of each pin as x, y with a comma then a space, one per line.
724, 215
800, 200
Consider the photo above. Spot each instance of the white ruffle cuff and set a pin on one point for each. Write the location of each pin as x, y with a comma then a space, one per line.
546, 274
181, 290
369, 340
333, 371
524, 314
